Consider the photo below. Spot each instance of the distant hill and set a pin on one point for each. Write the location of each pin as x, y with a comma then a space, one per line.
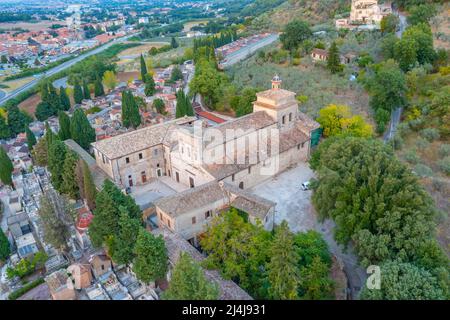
313, 11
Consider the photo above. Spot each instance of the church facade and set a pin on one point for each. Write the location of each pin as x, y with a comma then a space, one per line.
216, 163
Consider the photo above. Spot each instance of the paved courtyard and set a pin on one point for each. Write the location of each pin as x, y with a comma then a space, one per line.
146, 194
293, 204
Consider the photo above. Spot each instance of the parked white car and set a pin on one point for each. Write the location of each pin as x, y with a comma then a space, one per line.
305, 185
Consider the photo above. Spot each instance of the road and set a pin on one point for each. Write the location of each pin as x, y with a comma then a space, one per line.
245, 52
61, 67
397, 113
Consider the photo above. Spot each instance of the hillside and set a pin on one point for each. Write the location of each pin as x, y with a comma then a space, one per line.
315, 12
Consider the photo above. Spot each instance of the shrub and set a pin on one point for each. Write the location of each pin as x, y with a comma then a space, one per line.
444, 165
444, 150
422, 170
421, 143
20, 292
411, 156
430, 134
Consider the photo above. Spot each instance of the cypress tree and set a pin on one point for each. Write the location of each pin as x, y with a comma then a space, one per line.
135, 116
181, 104
17, 120
174, 43
89, 189
149, 85
69, 185
64, 99
98, 88
31, 138
81, 130
282, 270
126, 122
77, 93
54, 99
5, 132
188, 106
86, 91
6, 167
5, 249
143, 68
56, 156
123, 251
334, 62
64, 126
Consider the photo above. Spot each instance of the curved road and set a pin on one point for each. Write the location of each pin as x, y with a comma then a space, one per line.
61, 67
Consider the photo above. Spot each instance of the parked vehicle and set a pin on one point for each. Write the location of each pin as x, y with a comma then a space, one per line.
305, 185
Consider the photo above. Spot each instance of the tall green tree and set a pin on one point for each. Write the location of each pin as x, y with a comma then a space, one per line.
5, 249
56, 156
64, 99
143, 68
387, 89
105, 224
151, 262
405, 52
124, 242
17, 120
5, 132
334, 61
69, 185
181, 105
173, 43
77, 92
86, 90
89, 189
64, 126
149, 89
98, 88
176, 74
389, 23
81, 130
31, 138
6, 168
315, 282
282, 270
130, 110
159, 106
294, 33
57, 217
422, 36
188, 282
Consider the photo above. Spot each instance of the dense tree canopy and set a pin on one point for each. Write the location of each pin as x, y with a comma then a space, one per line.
81, 130
294, 33
5, 250
151, 262
404, 281
375, 200
339, 120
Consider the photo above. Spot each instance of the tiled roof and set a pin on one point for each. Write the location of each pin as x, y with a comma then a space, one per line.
134, 141
276, 94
